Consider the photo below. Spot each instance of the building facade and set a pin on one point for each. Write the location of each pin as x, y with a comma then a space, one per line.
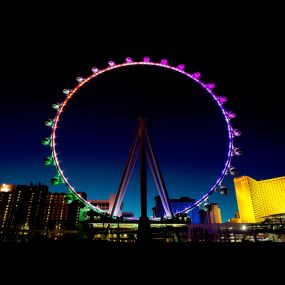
32, 211
22, 209
106, 205
8, 198
177, 205
211, 214
128, 215
56, 212
259, 199
214, 215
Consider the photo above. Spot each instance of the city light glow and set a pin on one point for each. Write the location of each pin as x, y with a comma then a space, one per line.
6, 188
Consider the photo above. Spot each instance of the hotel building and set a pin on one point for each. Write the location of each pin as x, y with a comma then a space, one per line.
259, 199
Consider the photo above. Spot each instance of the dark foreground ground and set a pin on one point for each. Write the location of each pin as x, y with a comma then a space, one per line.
83, 257
77, 262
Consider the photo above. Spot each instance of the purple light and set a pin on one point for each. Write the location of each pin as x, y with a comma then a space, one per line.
237, 151
236, 132
111, 63
129, 60
197, 75
146, 59
231, 115
222, 99
164, 62
211, 85
181, 67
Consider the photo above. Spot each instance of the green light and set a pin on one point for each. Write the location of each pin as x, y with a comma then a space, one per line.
48, 161
46, 141
55, 181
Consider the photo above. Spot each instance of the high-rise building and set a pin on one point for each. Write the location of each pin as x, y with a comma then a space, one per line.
60, 217
29, 207
56, 212
214, 214
23, 207
177, 205
259, 199
211, 214
30, 210
7, 208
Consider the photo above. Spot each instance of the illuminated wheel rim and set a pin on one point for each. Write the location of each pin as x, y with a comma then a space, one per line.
220, 100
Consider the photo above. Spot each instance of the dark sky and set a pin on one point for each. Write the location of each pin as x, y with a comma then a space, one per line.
187, 128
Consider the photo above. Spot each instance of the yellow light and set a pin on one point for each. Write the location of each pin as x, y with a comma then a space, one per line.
259, 199
6, 188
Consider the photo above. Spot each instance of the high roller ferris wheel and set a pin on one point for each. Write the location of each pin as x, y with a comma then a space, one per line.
72, 194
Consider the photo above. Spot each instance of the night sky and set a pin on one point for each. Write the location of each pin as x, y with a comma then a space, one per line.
186, 126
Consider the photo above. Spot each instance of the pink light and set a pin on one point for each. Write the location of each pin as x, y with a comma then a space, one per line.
222, 99
197, 75
181, 67
111, 63
236, 132
95, 69
146, 59
164, 62
129, 60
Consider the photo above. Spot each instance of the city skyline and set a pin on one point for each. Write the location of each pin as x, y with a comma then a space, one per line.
259, 119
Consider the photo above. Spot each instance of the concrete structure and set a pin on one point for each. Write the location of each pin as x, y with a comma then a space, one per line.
236, 219
106, 205
258, 199
128, 215
214, 215
272, 229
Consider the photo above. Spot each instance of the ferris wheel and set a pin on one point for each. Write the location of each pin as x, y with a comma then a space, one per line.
53, 158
